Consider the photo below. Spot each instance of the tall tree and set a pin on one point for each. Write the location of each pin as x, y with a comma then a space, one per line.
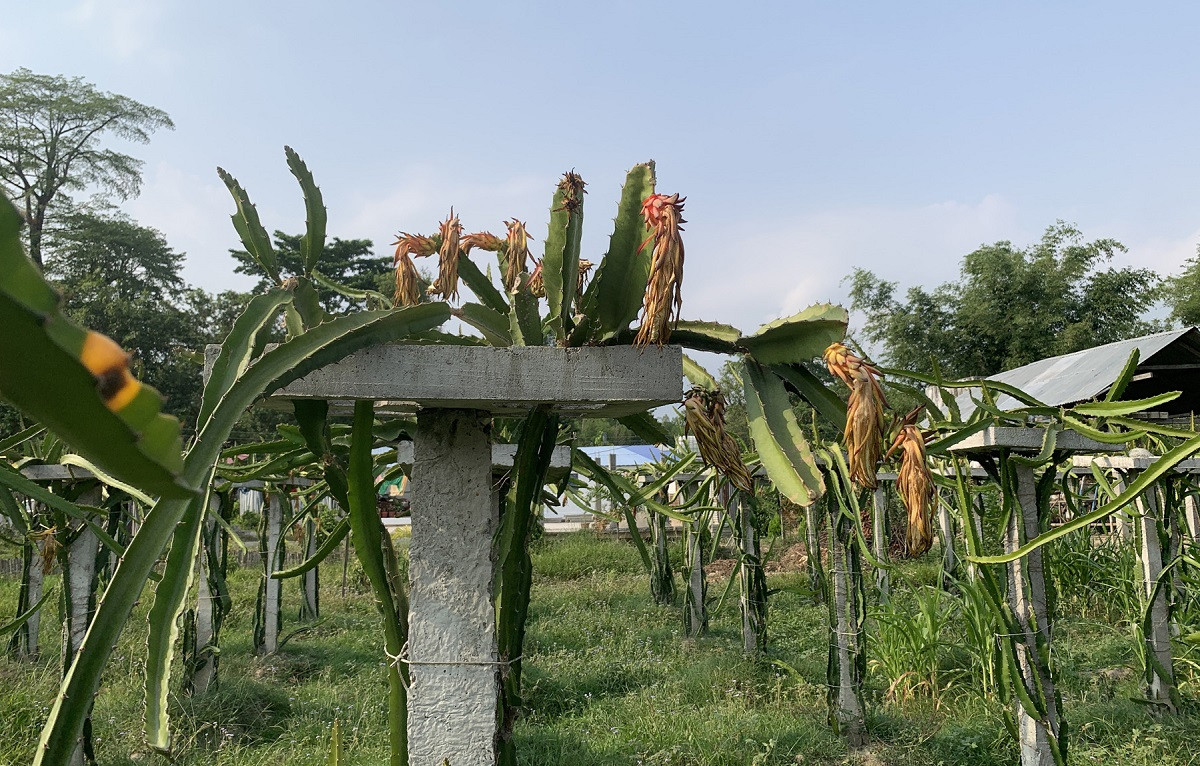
350, 262
51, 134
122, 279
1011, 306
1182, 293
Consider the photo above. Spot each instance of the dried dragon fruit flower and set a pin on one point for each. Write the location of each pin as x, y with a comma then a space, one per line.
537, 283
516, 254
585, 268
864, 413
446, 284
407, 293
572, 185
915, 485
663, 214
704, 416
483, 240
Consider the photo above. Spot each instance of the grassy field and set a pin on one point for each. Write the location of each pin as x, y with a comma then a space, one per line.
610, 680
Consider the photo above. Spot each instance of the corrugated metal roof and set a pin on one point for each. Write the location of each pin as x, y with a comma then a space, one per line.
1076, 377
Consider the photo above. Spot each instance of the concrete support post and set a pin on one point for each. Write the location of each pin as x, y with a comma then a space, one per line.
310, 583
695, 618
1027, 598
846, 640
977, 525
79, 580
1122, 519
949, 553
209, 610
455, 681
879, 542
812, 544
272, 589
1160, 676
24, 642
753, 600
1191, 517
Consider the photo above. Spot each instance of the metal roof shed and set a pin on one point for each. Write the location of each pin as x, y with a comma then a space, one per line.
1168, 361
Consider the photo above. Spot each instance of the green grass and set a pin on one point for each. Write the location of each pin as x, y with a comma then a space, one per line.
609, 680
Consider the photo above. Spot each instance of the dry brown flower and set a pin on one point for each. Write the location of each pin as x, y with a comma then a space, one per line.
537, 283
407, 292
704, 416
446, 284
516, 254
864, 412
914, 482
664, 299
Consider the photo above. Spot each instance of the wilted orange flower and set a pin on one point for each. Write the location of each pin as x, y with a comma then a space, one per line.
864, 412
914, 482
407, 293
704, 416
516, 254
446, 284
537, 283
484, 240
585, 267
663, 214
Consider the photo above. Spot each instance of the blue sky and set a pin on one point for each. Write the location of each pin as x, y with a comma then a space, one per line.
809, 138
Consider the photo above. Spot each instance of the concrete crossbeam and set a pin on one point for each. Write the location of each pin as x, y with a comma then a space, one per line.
594, 381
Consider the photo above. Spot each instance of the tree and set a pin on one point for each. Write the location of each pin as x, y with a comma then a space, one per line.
1011, 306
1182, 293
51, 128
347, 261
122, 279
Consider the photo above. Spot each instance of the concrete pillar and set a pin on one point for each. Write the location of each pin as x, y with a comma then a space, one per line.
1160, 676
879, 542
79, 579
1027, 598
207, 605
977, 525
1124, 522
310, 583
455, 683
1191, 517
812, 540
846, 639
272, 588
949, 554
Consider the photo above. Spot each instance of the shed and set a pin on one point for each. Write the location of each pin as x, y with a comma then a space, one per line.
1168, 361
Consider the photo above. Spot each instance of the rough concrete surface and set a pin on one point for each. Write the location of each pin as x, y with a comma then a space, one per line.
452, 707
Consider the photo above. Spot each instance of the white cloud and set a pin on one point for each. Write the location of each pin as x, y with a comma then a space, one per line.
424, 197
193, 213
784, 266
125, 27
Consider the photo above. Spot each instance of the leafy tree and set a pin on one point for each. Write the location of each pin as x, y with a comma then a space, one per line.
347, 261
122, 279
1011, 306
1182, 293
51, 129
